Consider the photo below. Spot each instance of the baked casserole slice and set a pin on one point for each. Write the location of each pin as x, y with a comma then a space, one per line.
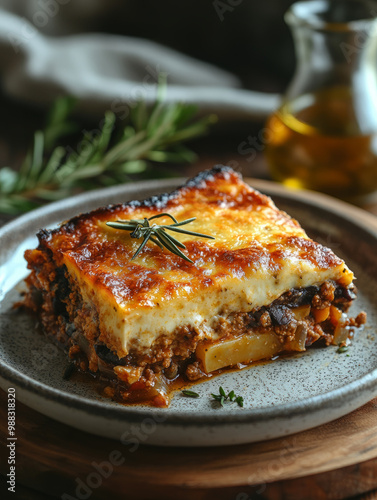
260, 288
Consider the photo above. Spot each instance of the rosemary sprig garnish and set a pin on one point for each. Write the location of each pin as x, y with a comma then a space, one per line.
141, 228
222, 397
103, 157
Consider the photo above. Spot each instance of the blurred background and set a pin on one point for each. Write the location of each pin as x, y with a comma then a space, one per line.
247, 38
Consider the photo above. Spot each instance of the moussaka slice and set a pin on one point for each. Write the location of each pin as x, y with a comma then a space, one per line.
259, 288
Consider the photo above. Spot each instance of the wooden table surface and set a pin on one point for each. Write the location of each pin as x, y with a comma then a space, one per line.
335, 461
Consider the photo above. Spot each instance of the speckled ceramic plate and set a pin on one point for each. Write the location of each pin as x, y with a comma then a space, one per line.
281, 397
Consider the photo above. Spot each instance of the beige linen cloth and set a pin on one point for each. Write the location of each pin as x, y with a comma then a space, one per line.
112, 72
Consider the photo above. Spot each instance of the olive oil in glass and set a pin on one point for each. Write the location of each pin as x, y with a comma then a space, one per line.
324, 136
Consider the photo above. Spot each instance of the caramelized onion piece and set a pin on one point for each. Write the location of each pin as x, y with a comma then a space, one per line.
157, 394
298, 343
341, 331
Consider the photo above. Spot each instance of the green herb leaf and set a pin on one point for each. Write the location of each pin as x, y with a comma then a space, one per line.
222, 397
342, 349
239, 401
190, 394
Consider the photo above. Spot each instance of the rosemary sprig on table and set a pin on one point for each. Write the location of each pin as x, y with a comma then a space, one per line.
103, 157
157, 233
222, 397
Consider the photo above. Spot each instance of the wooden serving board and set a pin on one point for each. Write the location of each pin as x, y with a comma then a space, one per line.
335, 461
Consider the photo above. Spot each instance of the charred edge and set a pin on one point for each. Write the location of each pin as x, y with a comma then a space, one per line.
43, 236
210, 174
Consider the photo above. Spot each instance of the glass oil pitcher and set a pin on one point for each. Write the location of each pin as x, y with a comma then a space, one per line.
324, 136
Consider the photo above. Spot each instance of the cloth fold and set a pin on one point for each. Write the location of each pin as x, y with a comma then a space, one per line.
113, 72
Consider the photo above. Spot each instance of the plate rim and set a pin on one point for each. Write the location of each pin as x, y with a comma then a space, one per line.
367, 382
